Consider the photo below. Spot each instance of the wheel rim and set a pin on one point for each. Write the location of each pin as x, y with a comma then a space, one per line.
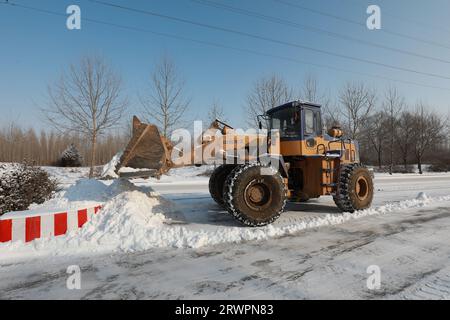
257, 195
362, 188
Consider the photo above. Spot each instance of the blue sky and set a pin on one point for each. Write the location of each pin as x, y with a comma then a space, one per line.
36, 47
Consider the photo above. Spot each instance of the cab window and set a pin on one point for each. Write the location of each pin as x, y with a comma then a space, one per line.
309, 122
287, 121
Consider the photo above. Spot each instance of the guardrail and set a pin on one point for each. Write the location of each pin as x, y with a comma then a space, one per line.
26, 226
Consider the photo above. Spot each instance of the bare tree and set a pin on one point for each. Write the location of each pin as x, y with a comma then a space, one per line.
357, 103
88, 100
404, 136
331, 115
267, 93
166, 104
392, 105
428, 131
378, 134
216, 112
310, 92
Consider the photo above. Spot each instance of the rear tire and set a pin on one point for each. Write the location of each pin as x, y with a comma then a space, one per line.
252, 198
355, 188
217, 181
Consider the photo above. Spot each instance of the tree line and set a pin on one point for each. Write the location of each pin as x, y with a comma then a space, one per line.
87, 105
391, 132
46, 148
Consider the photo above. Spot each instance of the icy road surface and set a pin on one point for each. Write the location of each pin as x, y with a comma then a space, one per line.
411, 247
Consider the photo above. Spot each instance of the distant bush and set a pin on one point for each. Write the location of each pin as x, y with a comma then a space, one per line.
380, 170
395, 169
71, 157
402, 169
439, 167
22, 185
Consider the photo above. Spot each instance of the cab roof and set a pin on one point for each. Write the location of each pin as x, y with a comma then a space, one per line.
292, 104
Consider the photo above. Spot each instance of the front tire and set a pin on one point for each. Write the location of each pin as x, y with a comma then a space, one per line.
355, 188
217, 181
252, 198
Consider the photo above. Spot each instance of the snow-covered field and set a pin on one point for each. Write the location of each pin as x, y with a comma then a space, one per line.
168, 239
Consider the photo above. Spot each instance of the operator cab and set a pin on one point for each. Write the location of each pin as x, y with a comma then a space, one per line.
296, 120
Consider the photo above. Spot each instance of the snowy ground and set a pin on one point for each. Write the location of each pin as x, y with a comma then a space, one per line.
312, 251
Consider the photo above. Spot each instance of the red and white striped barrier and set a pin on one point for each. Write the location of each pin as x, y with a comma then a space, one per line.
26, 227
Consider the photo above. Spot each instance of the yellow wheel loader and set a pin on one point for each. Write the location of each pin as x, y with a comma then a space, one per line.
305, 163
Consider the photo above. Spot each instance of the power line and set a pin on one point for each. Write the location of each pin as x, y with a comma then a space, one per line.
219, 45
411, 21
312, 29
388, 31
264, 38
415, 22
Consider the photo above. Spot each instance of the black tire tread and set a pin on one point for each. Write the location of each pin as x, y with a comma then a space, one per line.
342, 197
230, 184
217, 180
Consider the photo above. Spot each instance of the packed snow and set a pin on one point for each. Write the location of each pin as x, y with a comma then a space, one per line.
170, 232
136, 218
109, 169
129, 217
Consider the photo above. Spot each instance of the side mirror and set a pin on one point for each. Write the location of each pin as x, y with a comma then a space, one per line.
260, 125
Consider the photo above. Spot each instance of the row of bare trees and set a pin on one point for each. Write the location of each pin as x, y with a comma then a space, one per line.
88, 102
45, 148
405, 137
390, 131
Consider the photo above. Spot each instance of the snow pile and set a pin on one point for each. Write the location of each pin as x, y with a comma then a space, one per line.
109, 169
67, 176
86, 189
422, 196
84, 193
127, 222
90, 192
182, 237
124, 222
136, 219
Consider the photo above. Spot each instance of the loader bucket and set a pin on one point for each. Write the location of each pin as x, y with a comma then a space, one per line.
147, 152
